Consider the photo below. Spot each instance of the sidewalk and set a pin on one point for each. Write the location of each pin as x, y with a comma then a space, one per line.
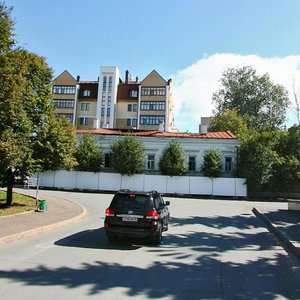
285, 225
60, 212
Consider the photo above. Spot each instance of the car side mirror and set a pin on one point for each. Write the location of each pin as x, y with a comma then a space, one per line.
167, 202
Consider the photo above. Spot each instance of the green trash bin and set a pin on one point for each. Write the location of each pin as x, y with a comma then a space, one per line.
42, 205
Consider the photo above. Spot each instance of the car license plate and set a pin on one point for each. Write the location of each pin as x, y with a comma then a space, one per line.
129, 219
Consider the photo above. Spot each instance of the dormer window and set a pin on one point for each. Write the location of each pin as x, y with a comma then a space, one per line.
86, 93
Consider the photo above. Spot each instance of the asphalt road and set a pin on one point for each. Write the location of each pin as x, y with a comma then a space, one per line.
213, 250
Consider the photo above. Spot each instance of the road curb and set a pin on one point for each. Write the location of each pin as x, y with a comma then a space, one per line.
284, 240
46, 228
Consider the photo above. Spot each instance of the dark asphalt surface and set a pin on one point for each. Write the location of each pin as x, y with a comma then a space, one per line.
283, 223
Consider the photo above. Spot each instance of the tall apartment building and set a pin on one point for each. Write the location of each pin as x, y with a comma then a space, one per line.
107, 97
64, 94
127, 103
87, 105
155, 103
113, 103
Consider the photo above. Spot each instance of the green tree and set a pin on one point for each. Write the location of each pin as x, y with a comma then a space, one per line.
89, 154
212, 165
256, 98
172, 162
127, 155
7, 40
257, 158
286, 173
27, 122
228, 120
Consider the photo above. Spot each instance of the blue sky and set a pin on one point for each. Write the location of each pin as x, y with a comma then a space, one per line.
190, 41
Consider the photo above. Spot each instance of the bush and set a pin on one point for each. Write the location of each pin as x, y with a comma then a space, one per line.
89, 154
212, 165
172, 161
127, 155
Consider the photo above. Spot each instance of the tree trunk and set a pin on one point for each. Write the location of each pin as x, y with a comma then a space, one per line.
10, 184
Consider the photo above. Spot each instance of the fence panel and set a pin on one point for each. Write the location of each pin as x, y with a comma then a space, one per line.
164, 184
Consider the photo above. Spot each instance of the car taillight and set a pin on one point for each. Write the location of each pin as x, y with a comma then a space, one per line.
152, 215
109, 212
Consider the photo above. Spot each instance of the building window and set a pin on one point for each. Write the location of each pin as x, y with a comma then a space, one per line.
108, 111
84, 121
153, 91
151, 120
109, 83
103, 100
133, 94
132, 107
61, 103
192, 163
67, 116
107, 160
131, 122
102, 111
153, 105
150, 162
104, 84
109, 100
85, 106
86, 93
64, 89
228, 164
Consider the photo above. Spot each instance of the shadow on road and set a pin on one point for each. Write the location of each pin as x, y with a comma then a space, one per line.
193, 265
94, 239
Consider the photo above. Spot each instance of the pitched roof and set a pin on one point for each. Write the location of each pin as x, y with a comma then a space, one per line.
153, 133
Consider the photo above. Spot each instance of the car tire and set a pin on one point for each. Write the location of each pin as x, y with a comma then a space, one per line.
157, 239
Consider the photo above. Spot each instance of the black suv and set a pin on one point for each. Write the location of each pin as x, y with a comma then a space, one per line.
137, 215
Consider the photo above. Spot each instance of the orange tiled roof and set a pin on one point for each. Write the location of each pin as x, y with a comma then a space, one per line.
153, 133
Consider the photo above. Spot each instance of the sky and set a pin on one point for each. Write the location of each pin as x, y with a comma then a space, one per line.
192, 42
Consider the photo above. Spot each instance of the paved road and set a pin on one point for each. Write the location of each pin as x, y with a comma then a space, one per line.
213, 250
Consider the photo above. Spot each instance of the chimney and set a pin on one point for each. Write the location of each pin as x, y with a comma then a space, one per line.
78, 78
161, 126
127, 77
95, 124
204, 129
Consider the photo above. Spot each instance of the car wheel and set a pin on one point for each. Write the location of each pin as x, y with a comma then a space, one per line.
157, 239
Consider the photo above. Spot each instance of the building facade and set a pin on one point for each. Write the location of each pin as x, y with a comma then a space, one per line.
155, 103
193, 145
127, 103
65, 94
87, 105
113, 103
107, 97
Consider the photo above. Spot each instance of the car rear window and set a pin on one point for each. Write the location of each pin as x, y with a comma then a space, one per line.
130, 201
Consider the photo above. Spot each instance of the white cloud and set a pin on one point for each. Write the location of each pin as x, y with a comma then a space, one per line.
194, 86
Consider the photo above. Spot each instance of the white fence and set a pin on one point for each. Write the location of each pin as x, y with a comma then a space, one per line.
190, 185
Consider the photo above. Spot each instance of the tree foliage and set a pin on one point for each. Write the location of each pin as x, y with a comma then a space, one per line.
256, 98
30, 135
228, 120
286, 173
127, 155
7, 40
89, 154
257, 158
212, 165
172, 162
